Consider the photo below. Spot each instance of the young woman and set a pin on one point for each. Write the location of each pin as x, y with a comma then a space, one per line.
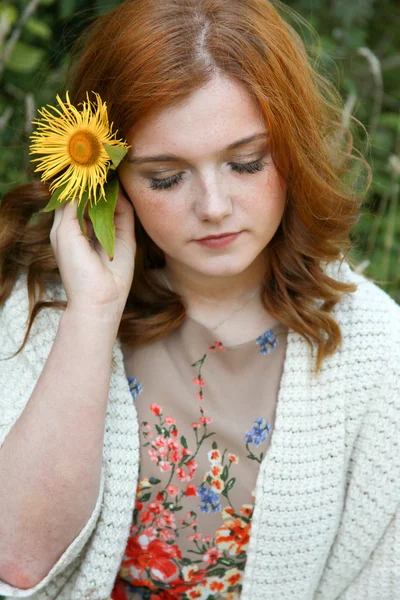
215, 413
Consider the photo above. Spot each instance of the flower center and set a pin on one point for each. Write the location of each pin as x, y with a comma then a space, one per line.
84, 148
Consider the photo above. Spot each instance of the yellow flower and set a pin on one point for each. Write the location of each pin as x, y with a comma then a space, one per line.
72, 142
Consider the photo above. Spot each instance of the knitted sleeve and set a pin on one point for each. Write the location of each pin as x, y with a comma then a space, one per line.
379, 487
18, 377
365, 558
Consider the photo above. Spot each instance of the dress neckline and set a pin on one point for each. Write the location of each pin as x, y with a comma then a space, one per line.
196, 327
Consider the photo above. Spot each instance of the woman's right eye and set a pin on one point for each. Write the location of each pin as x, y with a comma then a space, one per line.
164, 184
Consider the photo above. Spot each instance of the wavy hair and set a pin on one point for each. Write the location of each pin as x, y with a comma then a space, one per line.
147, 55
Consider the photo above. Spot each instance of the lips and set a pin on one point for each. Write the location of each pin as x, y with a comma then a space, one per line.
217, 237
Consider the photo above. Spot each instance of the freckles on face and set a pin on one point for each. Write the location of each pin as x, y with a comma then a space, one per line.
164, 220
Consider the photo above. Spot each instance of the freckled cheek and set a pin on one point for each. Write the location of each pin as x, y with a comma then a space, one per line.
266, 203
159, 217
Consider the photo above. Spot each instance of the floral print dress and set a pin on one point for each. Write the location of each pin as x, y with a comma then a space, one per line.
206, 415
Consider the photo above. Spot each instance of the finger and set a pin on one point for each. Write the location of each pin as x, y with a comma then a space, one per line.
123, 213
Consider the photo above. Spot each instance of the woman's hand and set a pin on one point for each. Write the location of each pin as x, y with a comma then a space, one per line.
95, 285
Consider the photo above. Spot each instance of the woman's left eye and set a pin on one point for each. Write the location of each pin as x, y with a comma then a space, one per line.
251, 167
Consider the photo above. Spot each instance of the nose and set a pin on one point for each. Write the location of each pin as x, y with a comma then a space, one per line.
213, 201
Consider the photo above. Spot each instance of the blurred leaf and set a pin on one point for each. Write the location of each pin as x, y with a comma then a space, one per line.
25, 58
390, 120
8, 16
38, 28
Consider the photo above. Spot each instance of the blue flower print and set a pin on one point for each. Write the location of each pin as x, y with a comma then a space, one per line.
210, 499
135, 387
267, 341
258, 433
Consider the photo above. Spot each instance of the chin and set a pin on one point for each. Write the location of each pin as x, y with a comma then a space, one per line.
218, 267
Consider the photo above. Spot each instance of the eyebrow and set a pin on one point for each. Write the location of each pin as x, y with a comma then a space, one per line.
174, 158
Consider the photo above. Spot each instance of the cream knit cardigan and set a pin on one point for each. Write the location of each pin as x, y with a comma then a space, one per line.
326, 520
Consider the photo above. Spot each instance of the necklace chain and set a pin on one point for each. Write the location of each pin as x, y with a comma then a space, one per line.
229, 316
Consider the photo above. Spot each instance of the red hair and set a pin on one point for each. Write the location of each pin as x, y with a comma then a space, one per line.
147, 55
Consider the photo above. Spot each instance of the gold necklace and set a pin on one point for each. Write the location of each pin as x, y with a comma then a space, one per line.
233, 313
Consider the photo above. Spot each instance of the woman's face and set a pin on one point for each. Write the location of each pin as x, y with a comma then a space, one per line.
187, 178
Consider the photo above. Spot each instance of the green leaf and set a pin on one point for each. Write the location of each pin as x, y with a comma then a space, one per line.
224, 475
184, 442
214, 445
81, 210
25, 58
115, 153
102, 217
53, 202
38, 28
229, 562
230, 484
145, 497
8, 16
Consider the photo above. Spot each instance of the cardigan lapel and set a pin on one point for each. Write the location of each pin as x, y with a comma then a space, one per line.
300, 486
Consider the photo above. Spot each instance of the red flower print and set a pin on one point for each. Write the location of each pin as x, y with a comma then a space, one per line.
160, 497
199, 395
192, 466
166, 519
153, 454
146, 536
172, 490
156, 507
163, 452
174, 432
156, 409
167, 535
195, 425
138, 505
233, 536
198, 381
216, 470
205, 420
247, 510
182, 475
173, 444
159, 441
186, 451
207, 538
191, 490
194, 594
216, 586
157, 556
164, 465
214, 456
217, 484
211, 556
232, 577
170, 420
175, 457
147, 517
194, 536
118, 592
233, 458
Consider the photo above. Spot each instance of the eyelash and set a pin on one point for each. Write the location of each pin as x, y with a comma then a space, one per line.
251, 167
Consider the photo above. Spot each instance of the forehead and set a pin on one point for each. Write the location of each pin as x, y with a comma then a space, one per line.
211, 118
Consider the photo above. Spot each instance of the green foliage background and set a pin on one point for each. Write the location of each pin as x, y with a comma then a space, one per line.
360, 46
